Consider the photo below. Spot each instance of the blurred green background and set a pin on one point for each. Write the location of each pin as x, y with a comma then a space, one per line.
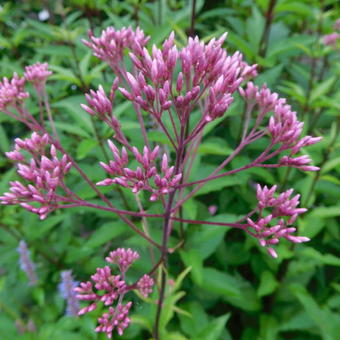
232, 289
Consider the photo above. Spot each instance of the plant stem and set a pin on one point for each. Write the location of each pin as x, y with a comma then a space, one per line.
193, 18
233, 225
166, 234
164, 260
263, 157
313, 68
265, 35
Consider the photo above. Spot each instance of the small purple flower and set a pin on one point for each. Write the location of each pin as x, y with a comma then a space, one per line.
37, 74
12, 91
123, 258
45, 172
212, 209
111, 44
115, 318
141, 179
110, 289
66, 288
145, 285
284, 210
26, 263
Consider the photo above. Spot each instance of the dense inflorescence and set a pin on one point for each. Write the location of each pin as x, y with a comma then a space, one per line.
44, 173
110, 289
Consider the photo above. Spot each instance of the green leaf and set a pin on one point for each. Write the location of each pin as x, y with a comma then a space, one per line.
311, 225
106, 233
169, 308
300, 321
42, 227
242, 45
62, 73
4, 142
323, 318
270, 76
324, 212
268, 284
85, 63
197, 321
220, 283
322, 88
208, 237
327, 259
218, 184
72, 128
234, 290
72, 105
214, 330
255, 26
297, 7
330, 165
84, 147
180, 278
194, 259
268, 327
215, 146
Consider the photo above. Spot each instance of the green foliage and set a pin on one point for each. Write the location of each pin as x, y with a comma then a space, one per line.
221, 285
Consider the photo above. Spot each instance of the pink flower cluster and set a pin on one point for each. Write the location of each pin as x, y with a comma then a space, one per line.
202, 66
284, 127
37, 74
114, 288
100, 105
45, 173
123, 258
12, 91
145, 285
284, 212
140, 179
111, 44
332, 38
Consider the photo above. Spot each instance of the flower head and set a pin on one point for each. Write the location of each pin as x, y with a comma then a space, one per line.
145, 285
37, 74
116, 318
111, 44
110, 289
44, 172
12, 91
331, 39
284, 212
145, 177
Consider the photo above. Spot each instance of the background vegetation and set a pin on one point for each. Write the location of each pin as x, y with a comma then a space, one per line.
224, 286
